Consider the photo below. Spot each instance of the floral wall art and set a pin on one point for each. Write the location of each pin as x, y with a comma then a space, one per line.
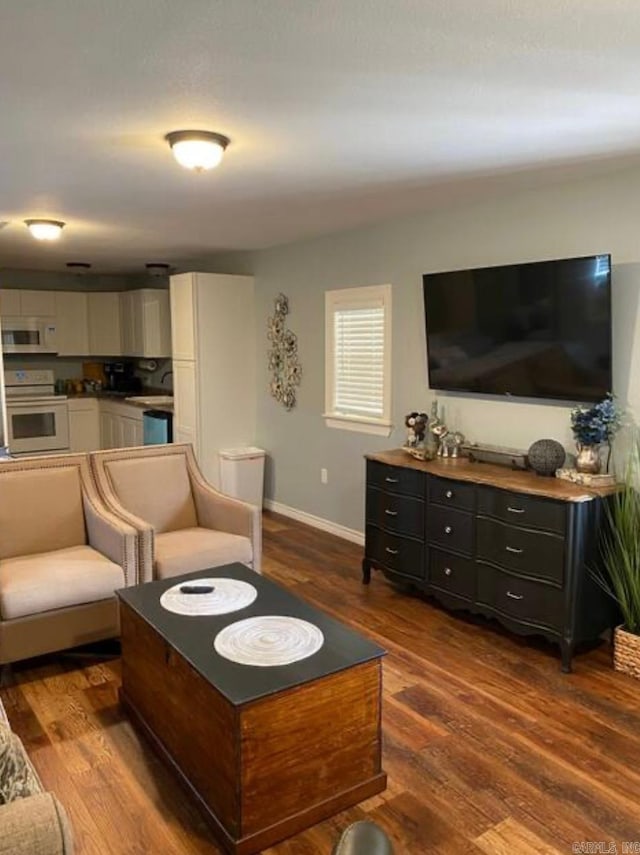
284, 364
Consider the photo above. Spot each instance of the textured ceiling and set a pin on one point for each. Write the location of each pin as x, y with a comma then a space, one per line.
340, 112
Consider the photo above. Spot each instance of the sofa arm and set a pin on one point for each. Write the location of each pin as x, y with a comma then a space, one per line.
220, 512
112, 537
36, 825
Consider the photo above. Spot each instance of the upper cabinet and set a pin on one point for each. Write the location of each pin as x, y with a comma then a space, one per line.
146, 323
72, 323
99, 323
20, 303
104, 323
183, 310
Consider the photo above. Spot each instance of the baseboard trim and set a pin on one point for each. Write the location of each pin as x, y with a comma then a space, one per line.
317, 522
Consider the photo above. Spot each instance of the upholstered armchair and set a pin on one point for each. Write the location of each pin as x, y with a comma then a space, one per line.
183, 523
62, 556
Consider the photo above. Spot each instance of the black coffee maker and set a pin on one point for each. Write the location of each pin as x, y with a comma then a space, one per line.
120, 378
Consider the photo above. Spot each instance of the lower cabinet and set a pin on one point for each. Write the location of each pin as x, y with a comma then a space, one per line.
84, 424
120, 425
494, 549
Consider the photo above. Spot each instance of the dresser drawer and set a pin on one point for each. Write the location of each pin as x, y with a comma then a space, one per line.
530, 602
396, 479
533, 553
456, 494
452, 574
519, 509
450, 528
400, 514
400, 554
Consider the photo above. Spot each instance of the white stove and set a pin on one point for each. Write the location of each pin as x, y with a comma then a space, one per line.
38, 420
38, 383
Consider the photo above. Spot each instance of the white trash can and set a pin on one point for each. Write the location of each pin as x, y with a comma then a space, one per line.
242, 473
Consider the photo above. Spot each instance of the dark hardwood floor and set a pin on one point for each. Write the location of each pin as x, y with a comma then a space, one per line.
489, 748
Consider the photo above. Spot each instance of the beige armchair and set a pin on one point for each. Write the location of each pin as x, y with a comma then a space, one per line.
62, 556
183, 523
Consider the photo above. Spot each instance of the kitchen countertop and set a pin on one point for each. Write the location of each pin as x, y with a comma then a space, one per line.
123, 398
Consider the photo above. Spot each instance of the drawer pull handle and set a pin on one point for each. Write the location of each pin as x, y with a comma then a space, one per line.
449, 494
515, 510
390, 551
514, 550
515, 596
391, 480
391, 513
448, 529
448, 571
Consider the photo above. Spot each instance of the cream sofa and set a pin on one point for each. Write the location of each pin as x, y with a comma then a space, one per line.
62, 556
32, 821
184, 525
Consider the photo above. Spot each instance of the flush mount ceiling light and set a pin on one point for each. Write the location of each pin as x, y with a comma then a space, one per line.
79, 267
45, 229
197, 150
158, 268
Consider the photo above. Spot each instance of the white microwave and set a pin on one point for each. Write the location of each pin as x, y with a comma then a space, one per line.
28, 335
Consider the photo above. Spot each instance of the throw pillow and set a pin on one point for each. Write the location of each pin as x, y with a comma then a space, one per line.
17, 778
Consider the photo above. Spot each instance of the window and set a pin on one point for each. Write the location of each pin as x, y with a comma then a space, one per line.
358, 359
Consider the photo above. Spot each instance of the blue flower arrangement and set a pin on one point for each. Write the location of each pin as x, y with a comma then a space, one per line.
597, 424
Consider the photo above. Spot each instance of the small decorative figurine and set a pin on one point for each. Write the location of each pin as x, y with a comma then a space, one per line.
416, 424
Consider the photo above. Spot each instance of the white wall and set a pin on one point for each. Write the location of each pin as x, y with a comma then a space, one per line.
578, 218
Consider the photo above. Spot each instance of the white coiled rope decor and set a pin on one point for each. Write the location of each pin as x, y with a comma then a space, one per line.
228, 595
269, 640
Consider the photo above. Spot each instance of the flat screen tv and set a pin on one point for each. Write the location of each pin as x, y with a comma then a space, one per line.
535, 330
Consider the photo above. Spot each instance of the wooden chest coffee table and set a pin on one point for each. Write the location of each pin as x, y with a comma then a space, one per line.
266, 751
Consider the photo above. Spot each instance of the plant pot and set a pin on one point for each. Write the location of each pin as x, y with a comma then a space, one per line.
588, 459
626, 652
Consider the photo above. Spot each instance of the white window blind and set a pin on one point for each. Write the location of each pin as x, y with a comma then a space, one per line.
358, 359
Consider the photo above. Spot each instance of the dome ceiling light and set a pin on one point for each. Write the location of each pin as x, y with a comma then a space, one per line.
197, 150
45, 229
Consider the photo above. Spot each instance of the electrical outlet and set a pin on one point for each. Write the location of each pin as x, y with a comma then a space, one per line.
324, 476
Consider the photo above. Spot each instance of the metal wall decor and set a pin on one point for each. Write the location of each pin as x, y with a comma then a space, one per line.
286, 371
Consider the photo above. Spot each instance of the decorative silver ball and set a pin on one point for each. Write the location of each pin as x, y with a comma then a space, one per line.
545, 456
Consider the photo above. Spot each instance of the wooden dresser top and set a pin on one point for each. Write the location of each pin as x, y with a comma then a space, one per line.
462, 469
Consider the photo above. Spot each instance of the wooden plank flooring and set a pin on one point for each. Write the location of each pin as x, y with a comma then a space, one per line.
489, 748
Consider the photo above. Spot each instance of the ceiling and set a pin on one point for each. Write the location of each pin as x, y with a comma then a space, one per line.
340, 112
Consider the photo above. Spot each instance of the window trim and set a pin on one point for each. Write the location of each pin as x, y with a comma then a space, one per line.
365, 296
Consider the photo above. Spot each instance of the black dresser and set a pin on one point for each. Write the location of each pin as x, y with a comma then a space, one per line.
506, 544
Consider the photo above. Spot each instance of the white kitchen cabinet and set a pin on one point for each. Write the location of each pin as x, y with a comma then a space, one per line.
84, 424
131, 432
128, 323
10, 303
184, 309
38, 304
72, 323
120, 424
146, 323
18, 302
104, 323
184, 402
214, 379
107, 429
155, 322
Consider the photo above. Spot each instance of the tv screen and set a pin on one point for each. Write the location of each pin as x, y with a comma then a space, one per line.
536, 330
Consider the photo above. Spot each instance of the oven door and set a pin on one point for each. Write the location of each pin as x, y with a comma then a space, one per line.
37, 427
29, 335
